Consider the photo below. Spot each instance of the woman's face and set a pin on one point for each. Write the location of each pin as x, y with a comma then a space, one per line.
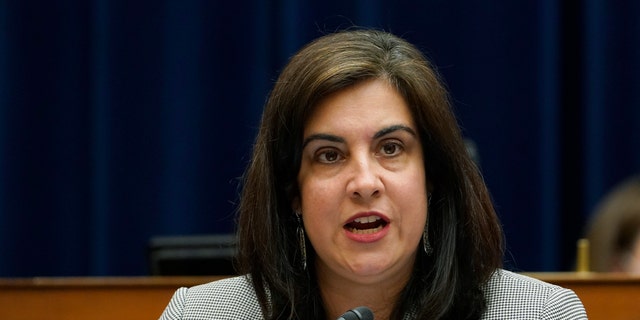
362, 184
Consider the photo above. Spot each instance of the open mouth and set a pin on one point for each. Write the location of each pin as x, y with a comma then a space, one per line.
366, 225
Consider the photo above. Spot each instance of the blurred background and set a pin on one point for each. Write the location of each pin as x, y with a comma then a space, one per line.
124, 120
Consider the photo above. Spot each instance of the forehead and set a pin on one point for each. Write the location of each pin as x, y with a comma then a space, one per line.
367, 105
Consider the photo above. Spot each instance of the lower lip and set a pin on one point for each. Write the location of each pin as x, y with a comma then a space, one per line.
368, 237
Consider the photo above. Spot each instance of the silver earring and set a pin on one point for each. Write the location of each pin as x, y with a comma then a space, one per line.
303, 248
425, 234
425, 240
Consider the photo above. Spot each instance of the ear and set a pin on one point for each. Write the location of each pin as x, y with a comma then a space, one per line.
295, 205
430, 187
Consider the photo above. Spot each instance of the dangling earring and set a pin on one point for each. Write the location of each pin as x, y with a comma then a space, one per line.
303, 248
425, 240
425, 234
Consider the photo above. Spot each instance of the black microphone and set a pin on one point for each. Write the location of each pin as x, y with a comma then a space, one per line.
359, 313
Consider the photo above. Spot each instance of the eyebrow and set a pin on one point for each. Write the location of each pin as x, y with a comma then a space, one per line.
321, 136
382, 132
393, 128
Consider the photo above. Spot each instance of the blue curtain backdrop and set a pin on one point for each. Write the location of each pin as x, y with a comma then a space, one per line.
121, 120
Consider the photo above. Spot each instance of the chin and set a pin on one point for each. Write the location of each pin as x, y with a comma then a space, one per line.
371, 267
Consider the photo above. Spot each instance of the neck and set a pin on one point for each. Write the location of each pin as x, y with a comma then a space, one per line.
340, 294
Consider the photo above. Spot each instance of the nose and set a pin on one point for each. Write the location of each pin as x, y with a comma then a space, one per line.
365, 181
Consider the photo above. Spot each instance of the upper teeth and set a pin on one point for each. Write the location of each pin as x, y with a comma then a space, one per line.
366, 219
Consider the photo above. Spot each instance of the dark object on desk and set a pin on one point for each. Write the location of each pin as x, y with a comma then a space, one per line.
192, 255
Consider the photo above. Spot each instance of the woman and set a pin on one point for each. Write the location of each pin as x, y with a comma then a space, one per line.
614, 230
360, 192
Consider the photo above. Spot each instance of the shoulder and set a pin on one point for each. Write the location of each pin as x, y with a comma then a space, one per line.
515, 296
232, 298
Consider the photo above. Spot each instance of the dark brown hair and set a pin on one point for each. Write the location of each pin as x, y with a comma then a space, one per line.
463, 227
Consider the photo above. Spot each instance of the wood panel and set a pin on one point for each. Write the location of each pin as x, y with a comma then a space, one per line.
610, 296
605, 296
89, 298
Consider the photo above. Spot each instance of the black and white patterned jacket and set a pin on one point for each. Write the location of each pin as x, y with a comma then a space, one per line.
509, 296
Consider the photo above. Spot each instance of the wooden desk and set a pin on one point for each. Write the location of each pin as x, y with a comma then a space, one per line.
605, 296
90, 298
608, 296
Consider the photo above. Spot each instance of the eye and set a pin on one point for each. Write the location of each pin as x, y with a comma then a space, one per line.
328, 156
391, 149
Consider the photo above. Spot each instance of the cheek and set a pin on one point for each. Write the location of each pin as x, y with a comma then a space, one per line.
415, 178
412, 197
415, 209
318, 196
318, 212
